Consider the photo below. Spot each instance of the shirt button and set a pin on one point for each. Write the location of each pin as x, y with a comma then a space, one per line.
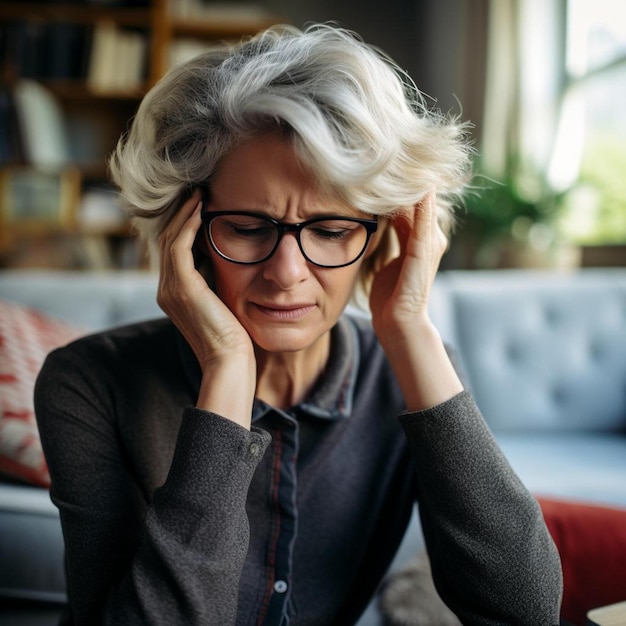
280, 586
254, 449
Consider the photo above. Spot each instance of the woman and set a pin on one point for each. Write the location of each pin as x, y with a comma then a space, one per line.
242, 461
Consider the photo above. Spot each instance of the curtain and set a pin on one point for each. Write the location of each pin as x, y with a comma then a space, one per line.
525, 76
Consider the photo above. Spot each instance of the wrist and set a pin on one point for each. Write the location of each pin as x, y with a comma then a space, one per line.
421, 364
400, 334
227, 388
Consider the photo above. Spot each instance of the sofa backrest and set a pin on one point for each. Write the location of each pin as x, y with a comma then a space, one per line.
89, 300
542, 350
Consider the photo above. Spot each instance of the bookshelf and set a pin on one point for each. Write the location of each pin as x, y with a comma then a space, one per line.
71, 77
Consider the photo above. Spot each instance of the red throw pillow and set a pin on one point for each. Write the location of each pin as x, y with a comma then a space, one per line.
26, 337
591, 540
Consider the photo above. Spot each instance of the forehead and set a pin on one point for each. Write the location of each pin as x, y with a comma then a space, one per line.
265, 174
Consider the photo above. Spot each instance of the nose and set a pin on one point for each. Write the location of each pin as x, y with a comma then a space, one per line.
287, 266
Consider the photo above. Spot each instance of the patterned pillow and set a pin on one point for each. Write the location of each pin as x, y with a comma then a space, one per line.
26, 337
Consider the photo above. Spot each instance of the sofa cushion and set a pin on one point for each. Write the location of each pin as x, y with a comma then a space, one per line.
591, 540
31, 548
26, 336
543, 351
578, 466
93, 300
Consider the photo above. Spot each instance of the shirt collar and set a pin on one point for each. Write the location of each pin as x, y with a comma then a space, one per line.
331, 398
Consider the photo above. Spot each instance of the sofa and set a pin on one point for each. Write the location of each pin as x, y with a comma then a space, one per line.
543, 351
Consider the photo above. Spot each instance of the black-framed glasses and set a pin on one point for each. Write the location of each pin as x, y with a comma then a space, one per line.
247, 237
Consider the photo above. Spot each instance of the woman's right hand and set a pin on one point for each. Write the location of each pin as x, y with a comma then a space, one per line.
222, 346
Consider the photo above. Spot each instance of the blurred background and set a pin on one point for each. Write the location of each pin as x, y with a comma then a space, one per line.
542, 81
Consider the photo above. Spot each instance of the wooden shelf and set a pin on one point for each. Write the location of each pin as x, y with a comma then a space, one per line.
75, 13
78, 90
217, 29
97, 116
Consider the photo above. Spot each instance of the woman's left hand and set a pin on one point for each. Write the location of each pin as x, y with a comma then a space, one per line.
399, 305
401, 289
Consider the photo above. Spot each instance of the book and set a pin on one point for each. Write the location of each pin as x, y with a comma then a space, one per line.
66, 46
11, 144
42, 124
102, 60
117, 59
29, 49
131, 54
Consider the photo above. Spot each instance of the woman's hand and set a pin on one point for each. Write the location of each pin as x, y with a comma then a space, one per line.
221, 344
401, 289
399, 305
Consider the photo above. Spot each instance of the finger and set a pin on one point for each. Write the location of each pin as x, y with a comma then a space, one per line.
181, 216
188, 231
426, 216
441, 237
403, 223
416, 222
176, 241
430, 228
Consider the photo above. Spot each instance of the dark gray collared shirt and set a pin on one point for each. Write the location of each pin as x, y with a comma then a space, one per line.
173, 515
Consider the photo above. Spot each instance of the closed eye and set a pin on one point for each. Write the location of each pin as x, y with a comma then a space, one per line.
260, 231
249, 228
324, 233
334, 230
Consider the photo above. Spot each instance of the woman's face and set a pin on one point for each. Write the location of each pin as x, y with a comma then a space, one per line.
285, 303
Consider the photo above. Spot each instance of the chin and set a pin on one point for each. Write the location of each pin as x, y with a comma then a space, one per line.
283, 340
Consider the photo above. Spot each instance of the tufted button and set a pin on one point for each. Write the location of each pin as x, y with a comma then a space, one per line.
553, 316
514, 352
254, 449
559, 395
597, 350
280, 586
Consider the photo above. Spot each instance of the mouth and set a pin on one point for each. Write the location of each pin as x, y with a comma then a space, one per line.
284, 313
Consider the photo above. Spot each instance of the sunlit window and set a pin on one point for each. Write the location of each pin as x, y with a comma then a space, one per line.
590, 155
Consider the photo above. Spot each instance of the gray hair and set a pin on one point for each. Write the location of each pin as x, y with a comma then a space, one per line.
357, 122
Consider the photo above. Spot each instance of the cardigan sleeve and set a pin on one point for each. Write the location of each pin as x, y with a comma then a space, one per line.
182, 561
492, 557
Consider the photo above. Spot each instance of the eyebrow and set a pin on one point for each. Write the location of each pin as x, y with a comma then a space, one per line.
265, 208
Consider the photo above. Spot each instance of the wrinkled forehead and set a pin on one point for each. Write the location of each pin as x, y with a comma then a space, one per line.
266, 174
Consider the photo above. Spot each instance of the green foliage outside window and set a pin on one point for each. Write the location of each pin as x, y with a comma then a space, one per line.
594, 211
512, 212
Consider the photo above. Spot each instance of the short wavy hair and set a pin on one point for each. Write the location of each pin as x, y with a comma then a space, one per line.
356, 120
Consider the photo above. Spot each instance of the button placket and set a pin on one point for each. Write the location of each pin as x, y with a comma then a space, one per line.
280, 586
284, 489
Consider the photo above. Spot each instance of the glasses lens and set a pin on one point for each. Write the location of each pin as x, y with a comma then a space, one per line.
333, 242
243, 238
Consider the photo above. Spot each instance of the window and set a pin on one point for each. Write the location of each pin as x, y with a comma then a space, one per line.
590, 149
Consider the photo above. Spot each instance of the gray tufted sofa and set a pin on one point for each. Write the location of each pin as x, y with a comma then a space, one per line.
544, 353
545, 356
